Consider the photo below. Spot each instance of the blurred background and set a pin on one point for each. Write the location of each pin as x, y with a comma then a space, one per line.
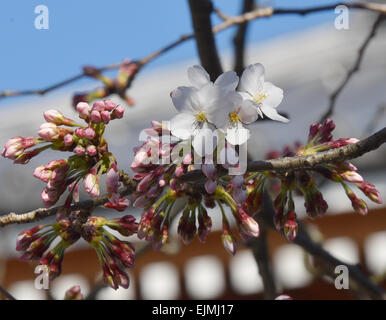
305, 55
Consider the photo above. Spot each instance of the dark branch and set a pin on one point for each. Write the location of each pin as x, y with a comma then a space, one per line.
240, 37
328, 261
259, 247
200, 11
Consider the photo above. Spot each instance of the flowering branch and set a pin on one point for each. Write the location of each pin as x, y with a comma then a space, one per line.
280, 164
355, 68
41, 213
347, 152
228, 22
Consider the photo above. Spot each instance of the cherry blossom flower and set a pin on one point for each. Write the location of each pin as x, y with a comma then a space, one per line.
261, 95
203, 107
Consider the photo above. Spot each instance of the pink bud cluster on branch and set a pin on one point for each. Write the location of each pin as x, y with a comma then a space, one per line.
160, 185
302, 181
89, 161
115, 255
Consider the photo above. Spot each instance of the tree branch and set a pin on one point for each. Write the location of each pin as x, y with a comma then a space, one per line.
259, 247
329, 262
230, 21
240, 37
200, 11
41, 213
305, 162
355, 68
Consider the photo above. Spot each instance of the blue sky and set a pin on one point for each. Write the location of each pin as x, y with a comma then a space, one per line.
100, 32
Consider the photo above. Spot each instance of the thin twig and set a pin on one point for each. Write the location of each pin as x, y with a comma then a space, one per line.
355, 68
231, 21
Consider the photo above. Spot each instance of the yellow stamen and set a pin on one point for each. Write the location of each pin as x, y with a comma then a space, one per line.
260, 97
200, 117
234, 117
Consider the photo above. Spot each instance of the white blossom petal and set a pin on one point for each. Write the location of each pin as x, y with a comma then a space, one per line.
252, 78
185, 99
218, 112
274, 95
237, 134
249, 112
204, 141
198, 76
208, 94
272, 114
182, 125
227, 81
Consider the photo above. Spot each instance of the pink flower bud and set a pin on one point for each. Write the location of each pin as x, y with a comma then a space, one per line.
109, 105
79, 132
351, 176
42, 174
89, 133
91, 150
314, 130
54, 116
370, 191
228, 240
112, 180
204, 224
95, 116
105, 116
291, 227
98, 106
119, 205
91, 184
79, 150
117, 113
49, 131
73, 293
342, 142
247, 224
68, 140
83, 109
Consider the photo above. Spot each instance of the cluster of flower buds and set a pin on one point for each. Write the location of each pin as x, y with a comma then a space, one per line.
90, 157
303, 182
118, 85
114, 254
35, 244
160, 186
